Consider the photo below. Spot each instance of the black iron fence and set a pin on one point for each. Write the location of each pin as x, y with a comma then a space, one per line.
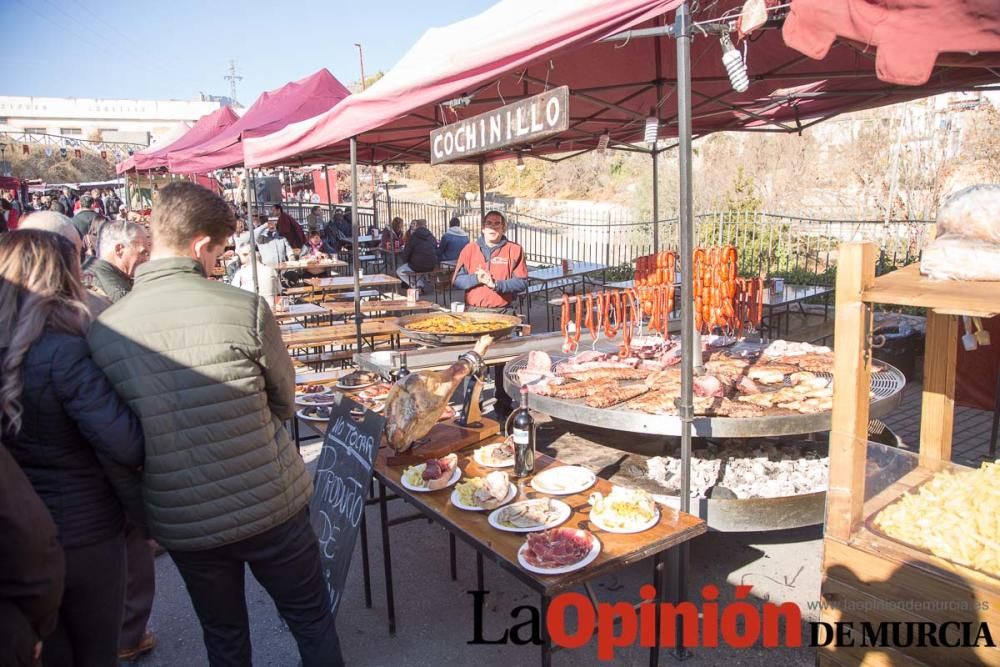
769, 244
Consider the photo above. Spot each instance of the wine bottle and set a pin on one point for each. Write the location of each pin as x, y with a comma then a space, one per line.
523, 433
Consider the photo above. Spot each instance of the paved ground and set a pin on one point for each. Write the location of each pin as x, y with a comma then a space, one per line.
434, 613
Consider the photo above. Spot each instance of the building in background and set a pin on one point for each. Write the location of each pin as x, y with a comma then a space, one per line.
131, 121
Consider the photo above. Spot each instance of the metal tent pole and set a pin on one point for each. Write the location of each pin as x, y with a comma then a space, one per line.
250, 228
482, 197
656, 200
682, 33
354, 241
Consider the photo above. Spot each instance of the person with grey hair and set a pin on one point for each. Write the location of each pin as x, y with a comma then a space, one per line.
121, 247
267, 278
419, 254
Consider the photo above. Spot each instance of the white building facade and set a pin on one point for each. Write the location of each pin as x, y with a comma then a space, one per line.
132, 121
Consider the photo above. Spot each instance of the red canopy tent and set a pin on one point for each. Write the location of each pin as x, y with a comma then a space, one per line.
176, 133
206, 127
272, 111
519, 48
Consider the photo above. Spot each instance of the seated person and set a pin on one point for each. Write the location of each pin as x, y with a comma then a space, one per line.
419, 255
317, 248
267, 278
452, 242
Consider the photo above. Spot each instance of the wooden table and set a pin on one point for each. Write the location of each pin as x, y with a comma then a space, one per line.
544, 280
778, 305
301, 310
346, 309
618, 551
321, 264
343, 283
338, 333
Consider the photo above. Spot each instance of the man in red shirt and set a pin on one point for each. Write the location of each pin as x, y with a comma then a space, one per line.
491, 269
289, 228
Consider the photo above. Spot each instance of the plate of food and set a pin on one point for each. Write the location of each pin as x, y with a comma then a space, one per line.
315, 413
312, 387
497, 455
357, 380
528, 516
375, 392
433, 475
623, 510
563, 481
326, 397
558, 551
484, 493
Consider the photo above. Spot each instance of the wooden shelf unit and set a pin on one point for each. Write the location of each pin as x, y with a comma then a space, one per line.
867, 577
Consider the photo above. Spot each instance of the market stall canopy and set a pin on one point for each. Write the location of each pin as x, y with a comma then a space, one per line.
175, 133
272, 111
205, 128
519, 48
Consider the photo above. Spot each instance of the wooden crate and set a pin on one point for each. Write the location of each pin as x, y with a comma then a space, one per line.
868, 577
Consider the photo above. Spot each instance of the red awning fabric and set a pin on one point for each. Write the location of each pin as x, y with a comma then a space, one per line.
178, 131
910, 35
519, 48
272, 111
205, 128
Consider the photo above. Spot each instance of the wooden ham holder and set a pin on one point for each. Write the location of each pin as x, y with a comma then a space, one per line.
452, 435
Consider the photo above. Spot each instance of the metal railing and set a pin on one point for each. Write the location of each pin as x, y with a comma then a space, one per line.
768, 244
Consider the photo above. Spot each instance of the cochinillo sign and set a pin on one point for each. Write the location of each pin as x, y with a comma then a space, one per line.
521, 122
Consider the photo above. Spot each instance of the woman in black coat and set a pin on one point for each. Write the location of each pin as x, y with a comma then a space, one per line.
58, 415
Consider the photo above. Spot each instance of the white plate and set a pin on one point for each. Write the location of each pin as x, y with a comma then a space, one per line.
455, 475
591, 556
378, 407
353, 387
561, 516
302, 399
596, 520
477, 457
511, 492
563, 481
312, 418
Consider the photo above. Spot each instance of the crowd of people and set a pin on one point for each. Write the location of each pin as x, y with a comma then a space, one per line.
150, 406
143, 409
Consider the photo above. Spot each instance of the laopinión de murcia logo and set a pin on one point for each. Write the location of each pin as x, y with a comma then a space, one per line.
736, 624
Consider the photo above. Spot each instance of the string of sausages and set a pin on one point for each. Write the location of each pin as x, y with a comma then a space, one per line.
722, 300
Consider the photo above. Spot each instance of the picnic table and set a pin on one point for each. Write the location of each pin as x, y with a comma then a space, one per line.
302, 311
339, 333
320, 264
778, 305
618, 551
343, 283
346, 309
554, 277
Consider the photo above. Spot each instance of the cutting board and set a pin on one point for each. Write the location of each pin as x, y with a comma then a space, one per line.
446, 437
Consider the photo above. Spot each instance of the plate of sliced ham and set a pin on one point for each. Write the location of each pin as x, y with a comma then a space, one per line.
558, 551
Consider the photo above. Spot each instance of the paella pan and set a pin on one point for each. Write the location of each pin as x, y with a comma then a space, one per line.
456, 328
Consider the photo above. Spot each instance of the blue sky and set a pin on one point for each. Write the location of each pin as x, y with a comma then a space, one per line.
174, 49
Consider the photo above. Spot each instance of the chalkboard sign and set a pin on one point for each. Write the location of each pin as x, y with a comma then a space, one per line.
343, 475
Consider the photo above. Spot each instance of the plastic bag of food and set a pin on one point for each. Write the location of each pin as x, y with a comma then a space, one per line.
972, 213
951, 257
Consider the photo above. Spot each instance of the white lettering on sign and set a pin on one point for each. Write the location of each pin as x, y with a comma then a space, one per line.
521, 122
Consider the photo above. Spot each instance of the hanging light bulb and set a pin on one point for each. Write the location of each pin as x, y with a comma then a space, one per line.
652, 128
602, 142
735, 67
520, 162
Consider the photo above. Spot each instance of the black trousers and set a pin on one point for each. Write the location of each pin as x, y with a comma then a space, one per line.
140, 587
286, 561
90, 615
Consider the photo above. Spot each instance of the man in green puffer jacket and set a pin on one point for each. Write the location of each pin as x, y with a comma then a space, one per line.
203, 365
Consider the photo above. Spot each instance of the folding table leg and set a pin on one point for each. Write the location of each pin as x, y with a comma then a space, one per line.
387, 558
454, 564
365, 567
